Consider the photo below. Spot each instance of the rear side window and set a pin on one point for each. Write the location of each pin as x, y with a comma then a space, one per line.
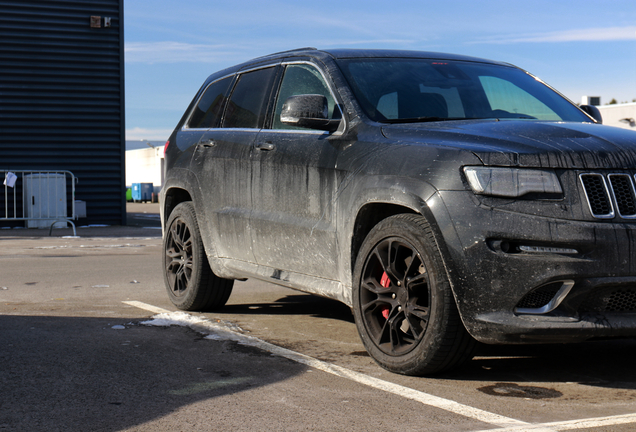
248, 104
210, 107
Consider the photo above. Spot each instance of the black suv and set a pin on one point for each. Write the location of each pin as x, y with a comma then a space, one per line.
446, 199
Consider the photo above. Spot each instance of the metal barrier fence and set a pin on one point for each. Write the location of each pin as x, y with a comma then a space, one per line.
40, 198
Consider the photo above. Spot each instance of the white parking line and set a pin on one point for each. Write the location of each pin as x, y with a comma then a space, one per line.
572, 424
144, 306
222, 332
505, 424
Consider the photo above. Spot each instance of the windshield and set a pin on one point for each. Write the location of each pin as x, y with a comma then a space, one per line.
394, 90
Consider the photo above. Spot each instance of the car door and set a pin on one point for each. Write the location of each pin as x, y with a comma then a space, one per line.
294, 184
223, 164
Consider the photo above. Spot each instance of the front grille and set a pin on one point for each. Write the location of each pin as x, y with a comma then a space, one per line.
597, 195
623, 191
610, 300
607, 195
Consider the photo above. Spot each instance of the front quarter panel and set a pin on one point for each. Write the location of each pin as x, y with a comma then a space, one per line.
399, 174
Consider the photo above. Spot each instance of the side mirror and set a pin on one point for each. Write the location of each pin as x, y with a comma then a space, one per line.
593, 112
308, 111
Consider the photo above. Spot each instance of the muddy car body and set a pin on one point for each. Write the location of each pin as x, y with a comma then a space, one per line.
446, 199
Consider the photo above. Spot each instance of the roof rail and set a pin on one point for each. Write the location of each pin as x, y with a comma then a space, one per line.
287, 51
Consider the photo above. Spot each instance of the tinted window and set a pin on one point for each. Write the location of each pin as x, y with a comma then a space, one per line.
301, 79
394, 90
248, 103
210, 107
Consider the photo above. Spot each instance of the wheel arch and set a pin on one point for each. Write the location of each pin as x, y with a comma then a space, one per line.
369, 216
399, 195
372, 213
183, 186
433, 210
381, 197
172, 198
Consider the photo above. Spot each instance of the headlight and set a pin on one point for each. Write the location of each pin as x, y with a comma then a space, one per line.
512, 182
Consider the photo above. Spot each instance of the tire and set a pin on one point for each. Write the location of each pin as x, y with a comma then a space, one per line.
402, 301
190, 282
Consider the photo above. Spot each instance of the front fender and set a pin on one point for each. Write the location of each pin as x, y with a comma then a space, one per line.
398, 194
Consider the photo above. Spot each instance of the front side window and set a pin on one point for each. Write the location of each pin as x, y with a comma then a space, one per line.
248, 103
394, 90
300, 79
210, 106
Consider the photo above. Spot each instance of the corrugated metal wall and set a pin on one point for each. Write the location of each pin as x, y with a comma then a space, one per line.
62, 96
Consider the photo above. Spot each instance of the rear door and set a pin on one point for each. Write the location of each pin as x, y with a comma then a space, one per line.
223, 163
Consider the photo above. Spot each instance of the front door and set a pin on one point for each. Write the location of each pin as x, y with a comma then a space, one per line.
294, 181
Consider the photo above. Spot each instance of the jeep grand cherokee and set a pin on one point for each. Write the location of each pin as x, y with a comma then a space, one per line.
445, 199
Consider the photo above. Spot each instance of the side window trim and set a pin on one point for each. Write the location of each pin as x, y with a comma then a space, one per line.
273, 91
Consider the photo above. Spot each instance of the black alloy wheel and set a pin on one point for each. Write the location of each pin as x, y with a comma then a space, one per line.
404, 309
395, 296
179, 259
191, 283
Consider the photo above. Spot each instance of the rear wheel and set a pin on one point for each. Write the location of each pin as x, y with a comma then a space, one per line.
190, 282
403, 305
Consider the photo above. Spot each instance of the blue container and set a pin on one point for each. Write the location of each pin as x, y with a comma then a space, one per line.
142, 191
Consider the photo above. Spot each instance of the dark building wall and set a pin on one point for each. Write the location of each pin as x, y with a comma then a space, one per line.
62, 96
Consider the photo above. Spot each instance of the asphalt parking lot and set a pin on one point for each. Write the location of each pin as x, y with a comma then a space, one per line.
89, 341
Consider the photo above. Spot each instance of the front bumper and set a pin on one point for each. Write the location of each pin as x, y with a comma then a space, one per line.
505, 266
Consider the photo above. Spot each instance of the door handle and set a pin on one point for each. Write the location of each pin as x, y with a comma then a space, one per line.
265, 146
207, 143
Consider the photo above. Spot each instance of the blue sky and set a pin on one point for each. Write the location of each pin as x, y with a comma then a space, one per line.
579, 47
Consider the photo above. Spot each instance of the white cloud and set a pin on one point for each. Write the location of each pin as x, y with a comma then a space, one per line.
176, 52
575, 35
142, 134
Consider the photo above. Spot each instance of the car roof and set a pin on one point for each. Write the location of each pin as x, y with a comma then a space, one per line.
385, 53
346, 53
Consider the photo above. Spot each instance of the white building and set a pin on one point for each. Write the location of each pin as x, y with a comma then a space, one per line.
619, 115
145, 165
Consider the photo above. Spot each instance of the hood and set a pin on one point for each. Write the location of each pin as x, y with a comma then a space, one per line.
528, 143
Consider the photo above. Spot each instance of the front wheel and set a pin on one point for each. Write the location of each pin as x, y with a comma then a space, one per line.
402, 302
190, 282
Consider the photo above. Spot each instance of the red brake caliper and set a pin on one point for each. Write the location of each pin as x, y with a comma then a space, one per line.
385, 282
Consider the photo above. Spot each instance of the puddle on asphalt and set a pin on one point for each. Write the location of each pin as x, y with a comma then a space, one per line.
515, 390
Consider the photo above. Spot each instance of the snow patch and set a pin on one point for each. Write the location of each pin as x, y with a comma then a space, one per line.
215, 330
181, 319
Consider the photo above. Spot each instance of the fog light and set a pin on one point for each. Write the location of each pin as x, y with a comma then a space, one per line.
546, 249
